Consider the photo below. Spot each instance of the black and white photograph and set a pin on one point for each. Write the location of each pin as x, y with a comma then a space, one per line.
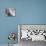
31, 34
10, 11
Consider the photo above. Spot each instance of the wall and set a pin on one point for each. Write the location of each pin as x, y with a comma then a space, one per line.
27, 12
7, 24
31, 11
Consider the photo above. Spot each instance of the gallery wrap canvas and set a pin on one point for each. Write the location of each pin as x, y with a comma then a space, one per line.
10, 12
32, 32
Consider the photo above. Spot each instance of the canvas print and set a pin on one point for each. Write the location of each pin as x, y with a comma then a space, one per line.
10, 11
31, 33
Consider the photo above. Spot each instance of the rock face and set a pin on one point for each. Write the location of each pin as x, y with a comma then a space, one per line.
10, 11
